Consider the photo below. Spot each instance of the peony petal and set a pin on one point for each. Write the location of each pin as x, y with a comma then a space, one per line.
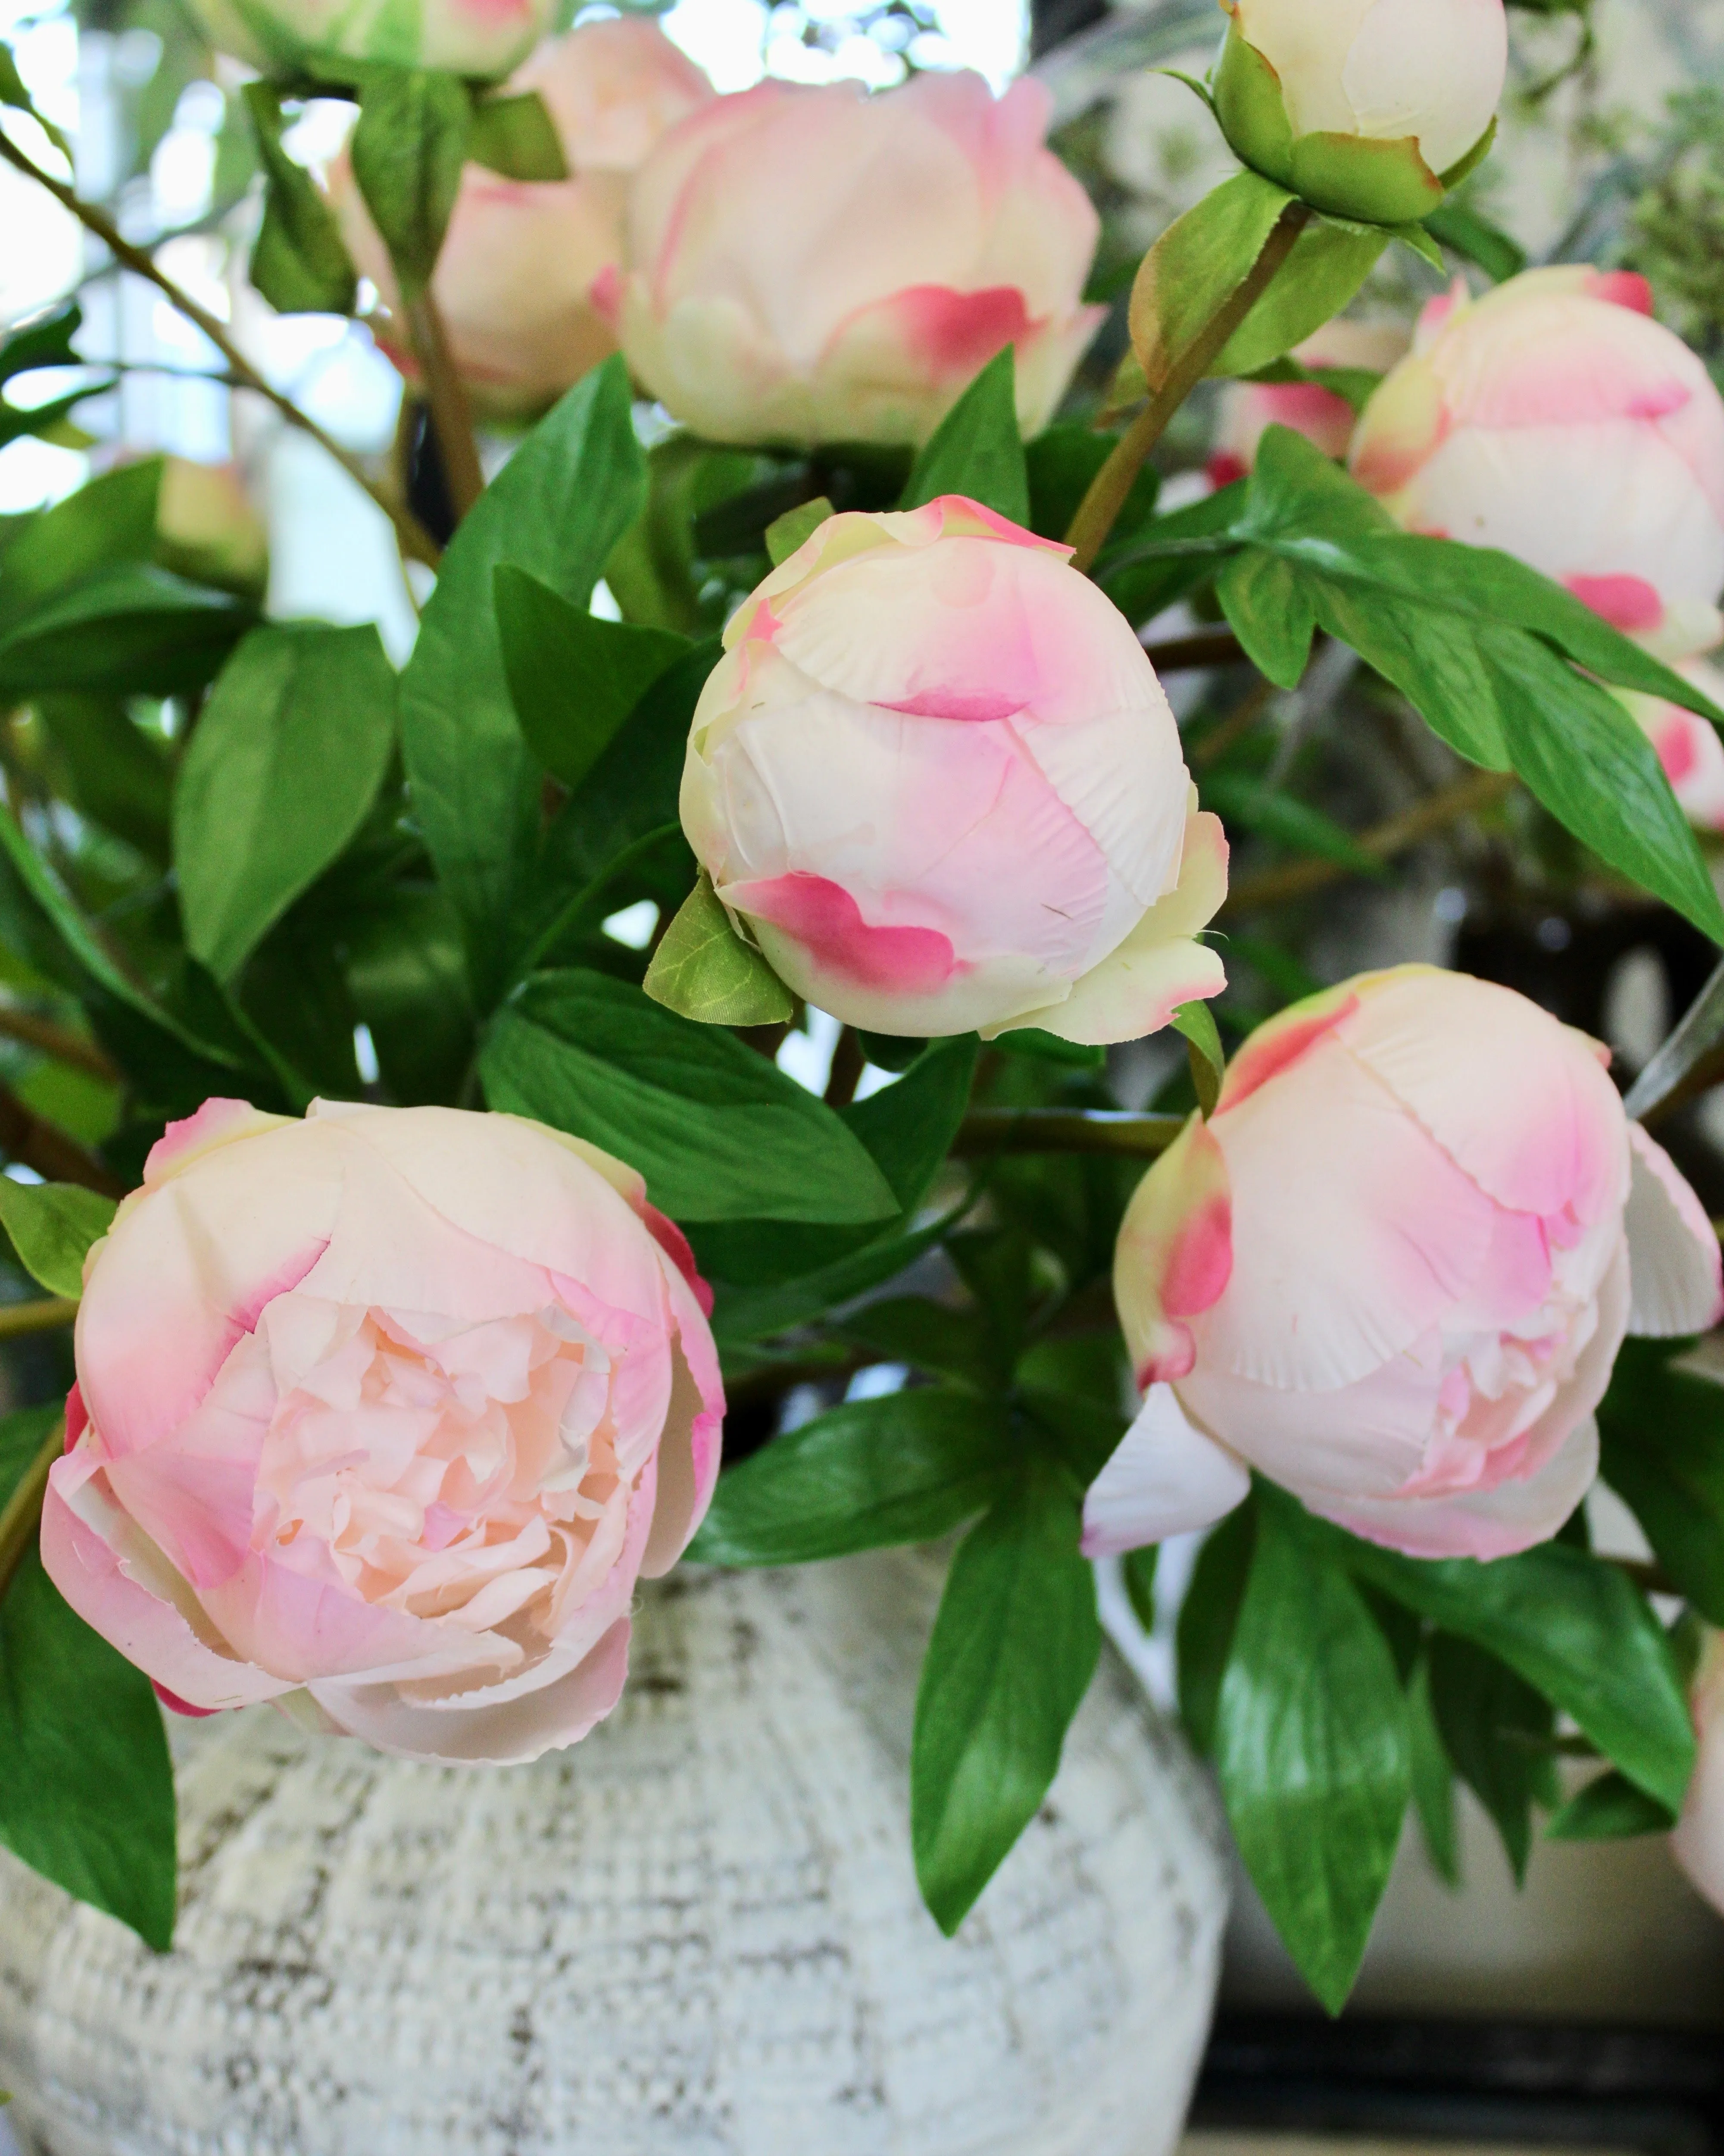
110, 1575
1137, 988
1521, 1105
1350, 1242
1165, 1478
1676, 1278
1487, 1524
1698, 1842
559, 1710
1174, 1254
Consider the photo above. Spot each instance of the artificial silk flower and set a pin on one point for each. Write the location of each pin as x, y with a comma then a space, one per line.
514, 281
1688, 746
935, 778
1248, 409
816, 265
1554, 419
389, 1409
477, 37
1392, 1272
1366, 108
1698, 1842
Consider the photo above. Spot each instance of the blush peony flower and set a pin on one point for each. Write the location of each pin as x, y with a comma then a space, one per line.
1554, 419
479, 38
389, 1409
1249, 408
1391, 1273
811, 265
1688, 746
1366, 108
1698, 1842
937, 780
515, 279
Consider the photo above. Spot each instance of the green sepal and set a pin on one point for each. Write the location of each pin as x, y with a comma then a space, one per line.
1330, 259
1355, 176
795, 528
1253, 113
703, 970
1463, 167
516, 136
1422, 243
1196, 1023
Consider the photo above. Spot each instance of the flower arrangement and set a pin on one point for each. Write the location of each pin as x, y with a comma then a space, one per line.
392, 1385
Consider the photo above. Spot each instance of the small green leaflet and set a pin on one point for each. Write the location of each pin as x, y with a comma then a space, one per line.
703, 970
52, 1226
1196, 1022
515, 136
407, 150
786, 533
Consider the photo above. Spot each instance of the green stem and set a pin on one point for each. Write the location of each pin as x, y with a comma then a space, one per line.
21, 1517
1100, 506
1113, 1131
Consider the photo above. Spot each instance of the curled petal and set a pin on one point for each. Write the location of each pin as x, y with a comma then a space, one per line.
1175, 1254
1165, 1478
1677, 1278
1483, 1524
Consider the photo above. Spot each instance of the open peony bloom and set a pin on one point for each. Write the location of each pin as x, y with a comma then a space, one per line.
812, 265
481, 38
1698, 1841
935, 778
1325, 419
1366, 108
390, 1408
1391, 1273
515, 279
1688, 746
1555, 419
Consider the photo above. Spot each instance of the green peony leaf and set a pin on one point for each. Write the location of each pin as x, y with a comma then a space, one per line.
52, 1226
704, 970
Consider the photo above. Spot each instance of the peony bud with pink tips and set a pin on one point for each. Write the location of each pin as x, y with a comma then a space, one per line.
816, 264
935, 778
1554, 419
1392, 1272
390, 1408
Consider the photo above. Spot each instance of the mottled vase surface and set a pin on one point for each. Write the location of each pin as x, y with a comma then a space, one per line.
695, 1934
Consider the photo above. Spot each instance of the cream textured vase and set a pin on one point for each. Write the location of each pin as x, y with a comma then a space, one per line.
695, 1934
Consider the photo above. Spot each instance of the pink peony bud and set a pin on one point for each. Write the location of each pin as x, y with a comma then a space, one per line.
1688, 746
516, 276
479, 38
1248, 409
813, 265
1365, 107
392, 1407
1698, 1842
936, 779
1391, 1273
1554, 419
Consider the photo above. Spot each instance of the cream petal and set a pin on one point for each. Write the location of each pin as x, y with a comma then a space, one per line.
1165, 1478
1676, 1280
